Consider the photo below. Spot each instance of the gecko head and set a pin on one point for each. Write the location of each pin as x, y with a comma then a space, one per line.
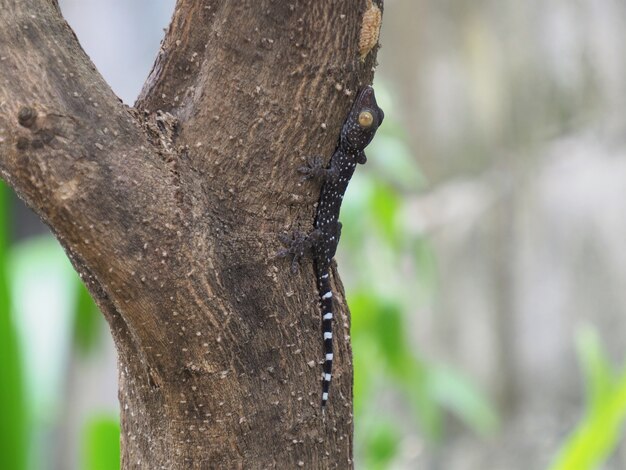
363, 120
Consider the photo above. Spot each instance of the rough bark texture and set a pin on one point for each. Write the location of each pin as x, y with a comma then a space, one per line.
170, 212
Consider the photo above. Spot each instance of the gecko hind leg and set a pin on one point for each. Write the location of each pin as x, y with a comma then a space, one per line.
297, 245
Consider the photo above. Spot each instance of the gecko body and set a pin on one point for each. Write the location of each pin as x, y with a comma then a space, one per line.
356, 133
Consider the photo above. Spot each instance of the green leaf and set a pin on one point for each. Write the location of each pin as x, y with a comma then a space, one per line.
600, 430
390, 328
13, 415
101, 443
597, 435
363, 315
382, 446
385, 204
384, 323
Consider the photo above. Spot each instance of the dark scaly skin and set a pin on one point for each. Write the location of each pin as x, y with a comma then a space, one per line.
356, 134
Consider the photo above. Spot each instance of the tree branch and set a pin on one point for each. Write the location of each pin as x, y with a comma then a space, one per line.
172, 215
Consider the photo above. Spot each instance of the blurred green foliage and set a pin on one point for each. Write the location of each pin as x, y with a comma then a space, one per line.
101, 443
38, 267
600, 430
383, 445
13, 415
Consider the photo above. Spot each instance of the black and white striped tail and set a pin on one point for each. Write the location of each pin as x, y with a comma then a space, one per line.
326, 296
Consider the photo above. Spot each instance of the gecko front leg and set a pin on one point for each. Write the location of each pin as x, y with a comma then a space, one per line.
315, 170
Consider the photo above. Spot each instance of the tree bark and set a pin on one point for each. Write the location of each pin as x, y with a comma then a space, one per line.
170, 212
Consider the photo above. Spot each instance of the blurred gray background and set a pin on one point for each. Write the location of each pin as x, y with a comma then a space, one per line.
515, 112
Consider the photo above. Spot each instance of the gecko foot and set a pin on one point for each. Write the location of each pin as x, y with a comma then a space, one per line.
297, 244
315, 170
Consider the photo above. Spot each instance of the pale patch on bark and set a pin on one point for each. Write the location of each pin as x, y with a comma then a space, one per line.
370, 29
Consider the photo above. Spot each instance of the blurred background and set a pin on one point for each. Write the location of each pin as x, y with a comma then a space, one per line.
483, 249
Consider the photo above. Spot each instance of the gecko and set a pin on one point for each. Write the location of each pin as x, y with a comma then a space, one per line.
357, 132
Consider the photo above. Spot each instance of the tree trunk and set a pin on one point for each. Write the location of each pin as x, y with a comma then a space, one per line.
170, 212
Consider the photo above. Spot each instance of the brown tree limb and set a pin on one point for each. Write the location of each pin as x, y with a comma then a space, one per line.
171, 216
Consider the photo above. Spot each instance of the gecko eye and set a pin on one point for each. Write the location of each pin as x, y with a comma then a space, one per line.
366, 119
